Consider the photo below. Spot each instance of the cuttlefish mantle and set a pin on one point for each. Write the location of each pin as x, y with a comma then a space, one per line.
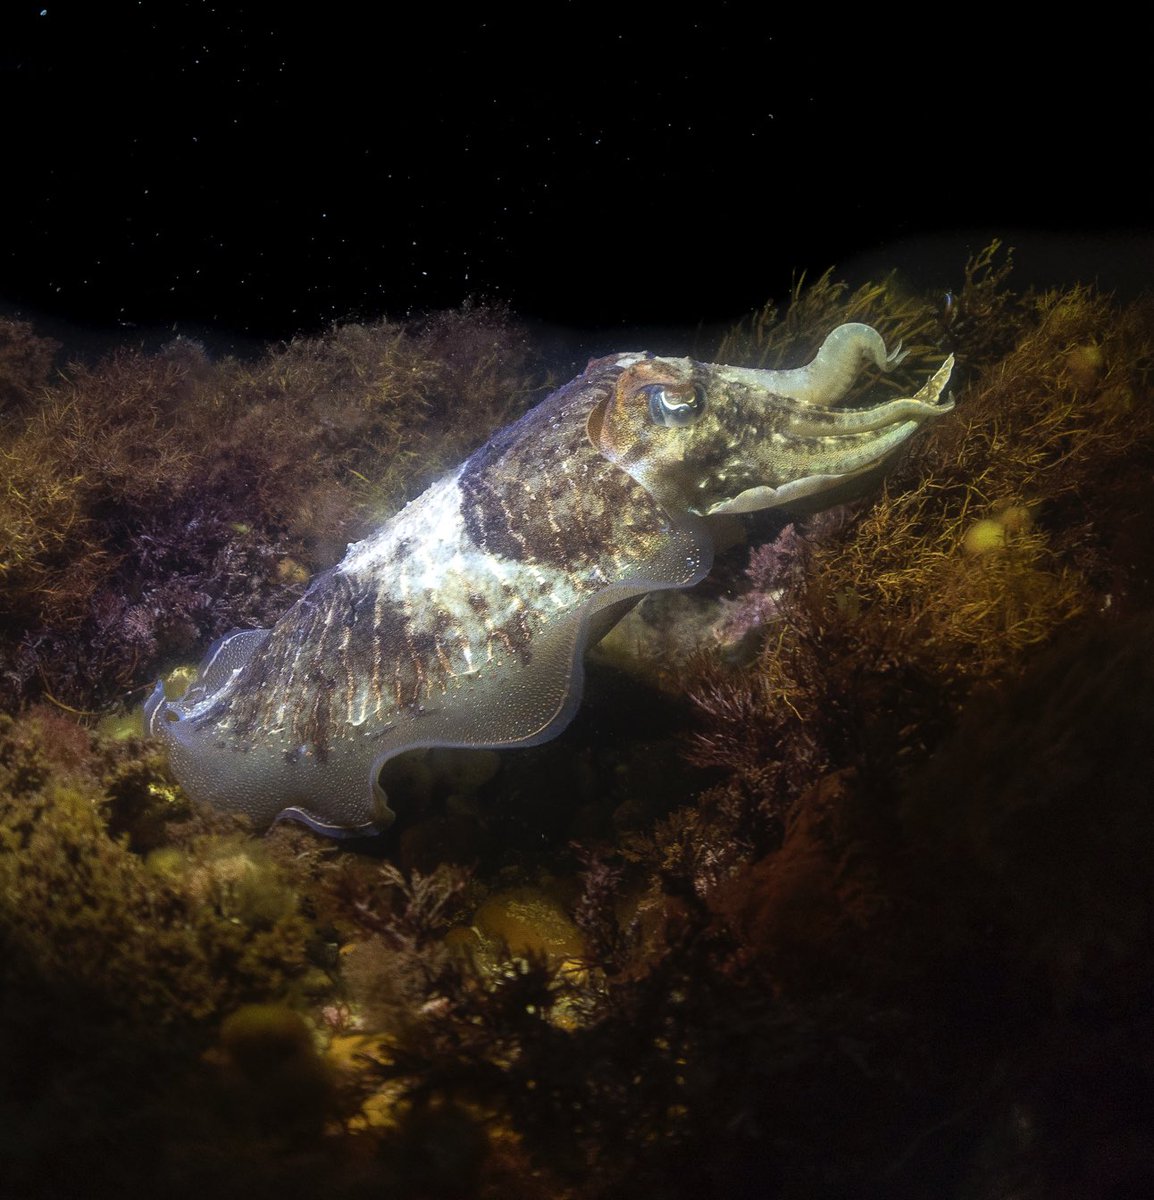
464, 619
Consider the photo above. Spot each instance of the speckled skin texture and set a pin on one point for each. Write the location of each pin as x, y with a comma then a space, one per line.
464, 619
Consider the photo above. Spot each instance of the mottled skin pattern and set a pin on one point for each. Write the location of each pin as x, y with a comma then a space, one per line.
464, 619
419, 607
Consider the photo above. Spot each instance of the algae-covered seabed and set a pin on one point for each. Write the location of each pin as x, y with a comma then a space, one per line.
841, 884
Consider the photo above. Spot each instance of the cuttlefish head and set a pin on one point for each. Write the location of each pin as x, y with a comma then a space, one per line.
705, 438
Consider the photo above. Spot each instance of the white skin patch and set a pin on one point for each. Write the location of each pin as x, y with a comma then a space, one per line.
441, 575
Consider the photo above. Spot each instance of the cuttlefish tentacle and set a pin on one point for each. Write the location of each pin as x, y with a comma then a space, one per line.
810, 421
835, 444
464, 619
832, 372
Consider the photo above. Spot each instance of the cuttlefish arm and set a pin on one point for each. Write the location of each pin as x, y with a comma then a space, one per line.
707, 438
463, 620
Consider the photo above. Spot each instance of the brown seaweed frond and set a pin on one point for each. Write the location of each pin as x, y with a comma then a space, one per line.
419, 908
1011, 519
26, 361
152, 501
1004, 538
985, 318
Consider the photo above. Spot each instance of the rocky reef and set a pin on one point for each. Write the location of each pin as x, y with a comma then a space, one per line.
839, 885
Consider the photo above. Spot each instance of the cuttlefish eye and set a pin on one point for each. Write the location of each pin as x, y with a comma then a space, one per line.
674, 404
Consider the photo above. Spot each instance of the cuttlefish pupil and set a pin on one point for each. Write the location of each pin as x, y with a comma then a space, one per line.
464, 619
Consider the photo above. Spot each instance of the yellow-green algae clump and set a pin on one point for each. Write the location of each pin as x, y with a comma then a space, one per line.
176, 936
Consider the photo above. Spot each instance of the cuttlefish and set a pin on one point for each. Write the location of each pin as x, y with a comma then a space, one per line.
464, 619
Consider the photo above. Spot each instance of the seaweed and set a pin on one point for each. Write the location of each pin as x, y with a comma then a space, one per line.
984, 320
119, 963
851, 900
156, 500
165, 940
26, 362
996, 532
